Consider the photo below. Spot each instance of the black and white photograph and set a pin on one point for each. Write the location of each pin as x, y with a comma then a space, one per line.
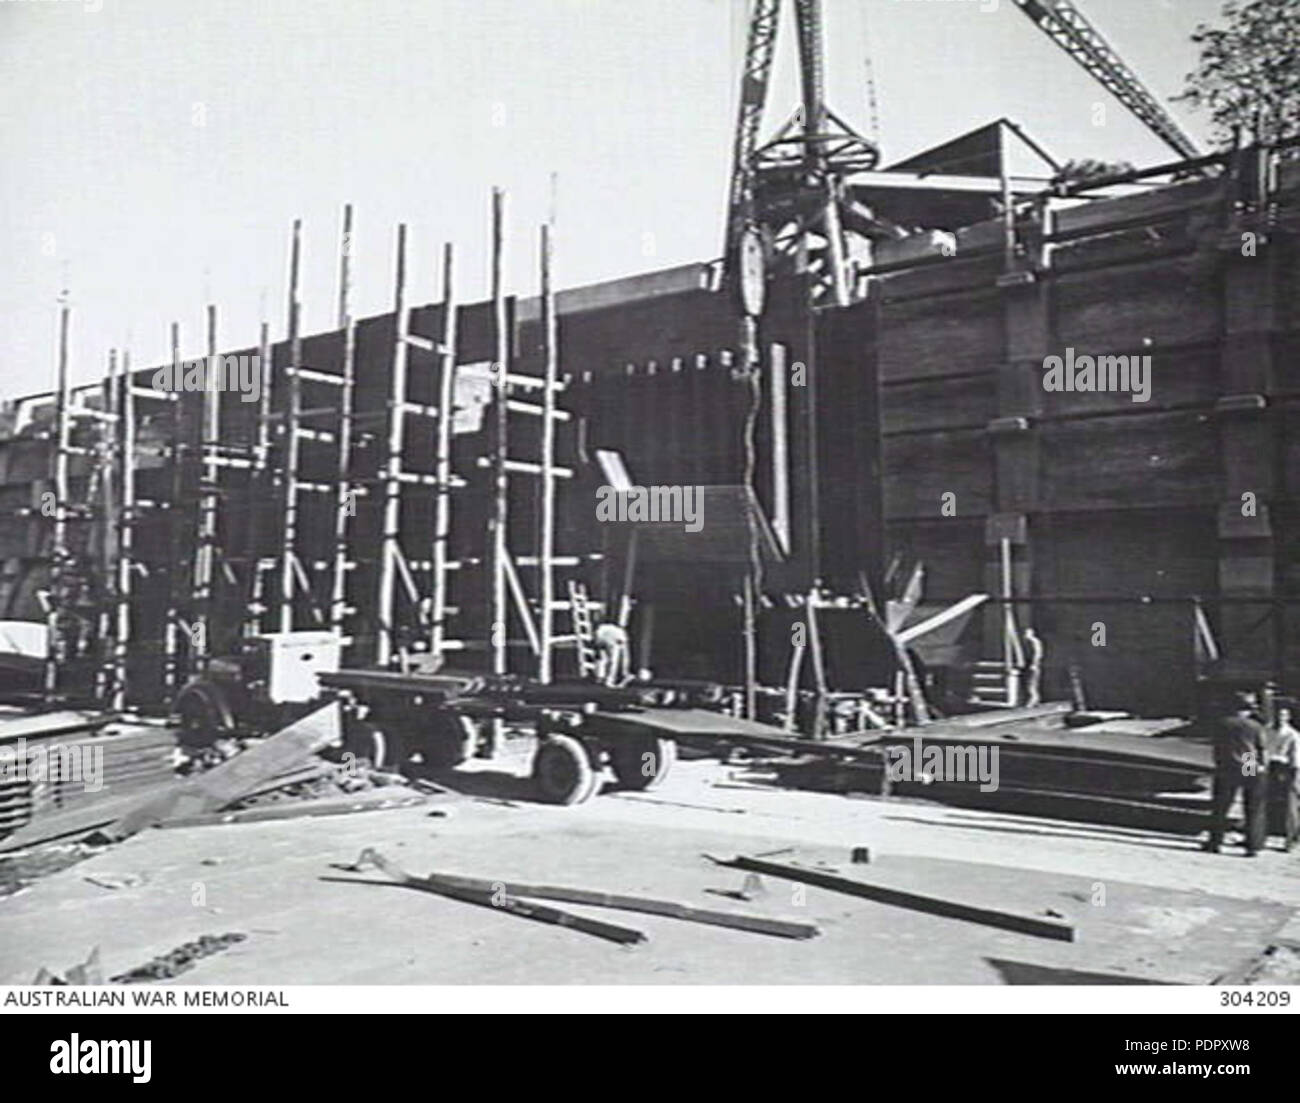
703, 506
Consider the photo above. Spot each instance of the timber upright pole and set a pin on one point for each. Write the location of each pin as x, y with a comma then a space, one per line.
126, 533
345, 506
57, 648
292, 437
498, 619
1008, 201
446, 404
205, 560
257, 483
171, 629
546, 552
499, 626
390, 550
107, 461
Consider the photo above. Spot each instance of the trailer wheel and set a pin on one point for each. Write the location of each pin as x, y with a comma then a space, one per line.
642, 763
389, 749
204, 713
563, 770
452, 741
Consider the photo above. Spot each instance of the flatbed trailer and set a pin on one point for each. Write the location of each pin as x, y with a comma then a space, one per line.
583, 729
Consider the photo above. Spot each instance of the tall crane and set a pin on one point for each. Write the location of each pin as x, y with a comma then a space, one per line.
792, 185
791, 189
1065, 25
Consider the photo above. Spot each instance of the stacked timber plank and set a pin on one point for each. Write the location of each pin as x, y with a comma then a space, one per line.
59, 770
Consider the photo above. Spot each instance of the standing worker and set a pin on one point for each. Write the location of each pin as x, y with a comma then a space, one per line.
612, 653
1033, 669
1282, 763
1240, 767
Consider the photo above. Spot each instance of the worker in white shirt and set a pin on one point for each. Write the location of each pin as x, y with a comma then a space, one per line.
612, 654
1283, 759
1033, 668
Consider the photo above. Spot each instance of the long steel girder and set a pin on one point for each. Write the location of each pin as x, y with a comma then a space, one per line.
1061, 21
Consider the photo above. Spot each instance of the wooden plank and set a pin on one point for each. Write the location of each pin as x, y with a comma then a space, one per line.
921, 468
1130, 461
1010, 716
75, 822
41, 725
1177, 377
966, 402
953, 335
378, 800
1102, 215
779, 928
489, 894
1038, 926
1170, 303
238, 776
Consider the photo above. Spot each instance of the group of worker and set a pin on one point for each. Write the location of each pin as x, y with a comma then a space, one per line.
1256, 760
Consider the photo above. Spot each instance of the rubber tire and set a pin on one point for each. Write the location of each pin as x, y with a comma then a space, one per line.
389, 748
451, 741
204, 717
627, 759
562, 770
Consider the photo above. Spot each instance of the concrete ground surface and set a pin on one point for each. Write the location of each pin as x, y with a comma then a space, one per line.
1147, 907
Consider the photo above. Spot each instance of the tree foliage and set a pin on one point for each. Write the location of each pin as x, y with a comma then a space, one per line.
1248, 78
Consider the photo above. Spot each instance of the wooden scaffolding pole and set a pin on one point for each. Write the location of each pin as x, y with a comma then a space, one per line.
125, 532
257, 484
292, 437
205, 558
498, 626
57, 648
546, 550
446, 413
105, 469
171, 629
390, 551
345, 505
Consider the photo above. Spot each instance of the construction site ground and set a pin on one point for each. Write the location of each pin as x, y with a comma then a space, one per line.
1146, 907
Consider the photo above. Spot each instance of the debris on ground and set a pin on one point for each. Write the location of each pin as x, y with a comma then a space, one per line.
179, 960
24, 868
115, 880
501, 889
86, 972
1044, 926
493, 894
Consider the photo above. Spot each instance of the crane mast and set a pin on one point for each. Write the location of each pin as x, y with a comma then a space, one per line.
792, 188
792, 185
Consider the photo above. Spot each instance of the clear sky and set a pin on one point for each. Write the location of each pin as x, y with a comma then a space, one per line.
154, 153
